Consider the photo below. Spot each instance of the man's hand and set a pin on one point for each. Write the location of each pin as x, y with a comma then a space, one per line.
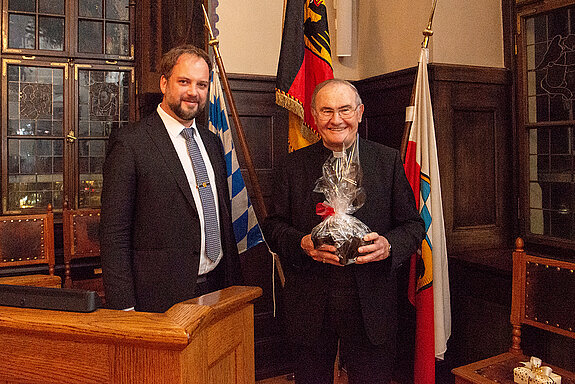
324, 254
377, 251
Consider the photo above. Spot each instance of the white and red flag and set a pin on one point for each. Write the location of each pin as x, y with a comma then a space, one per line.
429, 281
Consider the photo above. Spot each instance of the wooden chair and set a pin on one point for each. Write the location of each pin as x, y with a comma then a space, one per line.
28, 240
80, 228
542, 297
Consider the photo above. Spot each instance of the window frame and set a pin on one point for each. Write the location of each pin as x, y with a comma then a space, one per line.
524, 126
71, 61
74, 171
5, 137
71, 22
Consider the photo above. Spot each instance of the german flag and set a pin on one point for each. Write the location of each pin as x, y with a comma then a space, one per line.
305, 61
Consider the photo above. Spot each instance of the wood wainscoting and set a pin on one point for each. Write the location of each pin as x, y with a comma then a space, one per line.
473, 125
265, 128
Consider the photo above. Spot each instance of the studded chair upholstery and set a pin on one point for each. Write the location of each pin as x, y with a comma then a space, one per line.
80, 229
27, 240
542, 297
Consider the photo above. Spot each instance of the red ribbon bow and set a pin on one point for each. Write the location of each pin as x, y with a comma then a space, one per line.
324, 210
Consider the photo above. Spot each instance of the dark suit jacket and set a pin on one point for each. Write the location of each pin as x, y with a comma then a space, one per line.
389, 210
149, 228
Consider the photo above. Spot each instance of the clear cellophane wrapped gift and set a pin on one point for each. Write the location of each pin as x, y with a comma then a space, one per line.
341, 185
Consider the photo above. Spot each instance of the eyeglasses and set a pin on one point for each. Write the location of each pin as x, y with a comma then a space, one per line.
326, 114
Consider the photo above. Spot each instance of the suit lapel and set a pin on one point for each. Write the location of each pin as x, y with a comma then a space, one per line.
159, 135
367, 166
213, 147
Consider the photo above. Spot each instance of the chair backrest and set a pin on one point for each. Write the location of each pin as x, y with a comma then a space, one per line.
542, 297
542, 294
27, 239
80, 227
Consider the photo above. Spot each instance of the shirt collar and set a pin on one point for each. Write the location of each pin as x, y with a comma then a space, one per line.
173, 126
348, 150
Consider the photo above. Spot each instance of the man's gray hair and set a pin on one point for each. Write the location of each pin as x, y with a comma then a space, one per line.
334, 81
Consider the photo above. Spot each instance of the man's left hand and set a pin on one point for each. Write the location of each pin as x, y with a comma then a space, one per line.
377, 251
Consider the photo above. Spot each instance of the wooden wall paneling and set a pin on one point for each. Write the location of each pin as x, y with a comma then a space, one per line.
264, 124
265, 128
480, 302
474, 165
385, 98
472, 113
148, 51
160, 26
474, 139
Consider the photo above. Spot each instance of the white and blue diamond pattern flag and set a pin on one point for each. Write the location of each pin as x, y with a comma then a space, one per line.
246, 227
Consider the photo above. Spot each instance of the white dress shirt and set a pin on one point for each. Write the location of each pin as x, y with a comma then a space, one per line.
174, 129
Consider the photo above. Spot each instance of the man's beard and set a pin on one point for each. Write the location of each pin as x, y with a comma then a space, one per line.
186, 114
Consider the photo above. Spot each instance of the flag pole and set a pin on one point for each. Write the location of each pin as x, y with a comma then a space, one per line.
213, 42
427, 33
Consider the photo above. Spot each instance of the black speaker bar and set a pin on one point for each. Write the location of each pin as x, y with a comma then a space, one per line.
58, 299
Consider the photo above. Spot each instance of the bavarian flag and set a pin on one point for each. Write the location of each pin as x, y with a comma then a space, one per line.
246, 228
428, 279
305, 61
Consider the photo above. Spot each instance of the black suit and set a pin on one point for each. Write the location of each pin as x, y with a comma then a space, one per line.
150, 229
389, 210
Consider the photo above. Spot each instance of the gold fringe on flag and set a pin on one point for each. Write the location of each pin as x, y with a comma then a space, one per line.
290, 103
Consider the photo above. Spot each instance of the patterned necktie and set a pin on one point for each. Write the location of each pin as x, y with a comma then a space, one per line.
212, 230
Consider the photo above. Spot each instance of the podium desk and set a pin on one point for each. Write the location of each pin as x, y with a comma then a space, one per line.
209, 339
47, 281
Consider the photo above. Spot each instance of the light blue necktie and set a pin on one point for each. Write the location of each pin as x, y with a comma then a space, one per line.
212, 229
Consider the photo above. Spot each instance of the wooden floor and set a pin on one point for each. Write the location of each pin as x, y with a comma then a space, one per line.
285, 379
342, 379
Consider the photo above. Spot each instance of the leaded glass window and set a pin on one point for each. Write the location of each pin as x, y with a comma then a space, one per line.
35, 25
98, 28
549, 122
34, 137
103, 105
104, 27
55, 149
67, 82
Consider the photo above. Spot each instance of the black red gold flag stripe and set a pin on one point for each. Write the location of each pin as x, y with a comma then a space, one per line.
305, 61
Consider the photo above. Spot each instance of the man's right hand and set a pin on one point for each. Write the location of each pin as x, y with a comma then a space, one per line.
324, 254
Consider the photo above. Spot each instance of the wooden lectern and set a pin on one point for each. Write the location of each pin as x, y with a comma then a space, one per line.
209, 339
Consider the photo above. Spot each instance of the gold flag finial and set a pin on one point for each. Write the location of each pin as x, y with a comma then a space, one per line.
427, 32
213, 42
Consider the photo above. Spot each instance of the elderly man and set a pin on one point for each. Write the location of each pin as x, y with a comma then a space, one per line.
326, 303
